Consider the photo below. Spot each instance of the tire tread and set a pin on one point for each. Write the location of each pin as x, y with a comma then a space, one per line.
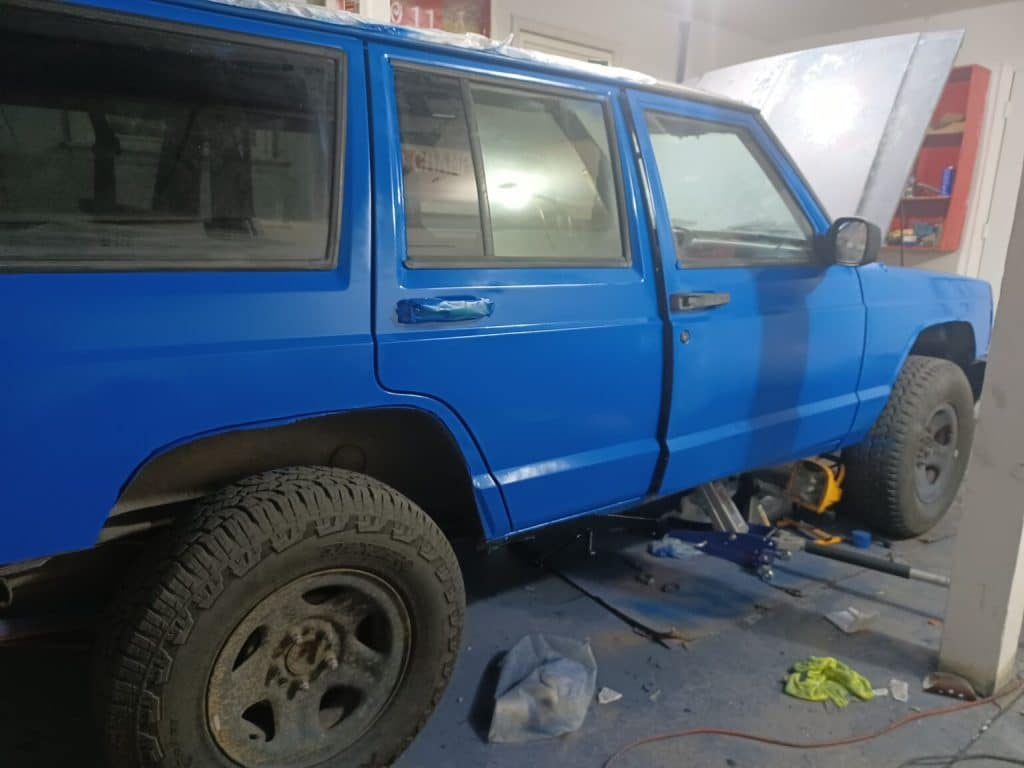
872, 486
230, 533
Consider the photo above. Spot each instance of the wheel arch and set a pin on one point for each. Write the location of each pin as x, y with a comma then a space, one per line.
953, 340
407, 448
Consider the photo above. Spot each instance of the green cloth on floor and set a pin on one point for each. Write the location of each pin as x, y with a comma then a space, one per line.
822, 677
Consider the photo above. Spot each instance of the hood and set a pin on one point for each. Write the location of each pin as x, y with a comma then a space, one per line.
853, 116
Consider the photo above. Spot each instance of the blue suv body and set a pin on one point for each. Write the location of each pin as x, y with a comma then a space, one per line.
237, 240
572, 396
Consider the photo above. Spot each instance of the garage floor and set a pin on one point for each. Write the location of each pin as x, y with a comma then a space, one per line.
743, 637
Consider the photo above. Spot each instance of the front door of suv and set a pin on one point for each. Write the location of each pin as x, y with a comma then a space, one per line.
511, 282
767, 339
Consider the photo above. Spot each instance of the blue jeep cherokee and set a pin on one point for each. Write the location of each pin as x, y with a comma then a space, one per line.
308, 297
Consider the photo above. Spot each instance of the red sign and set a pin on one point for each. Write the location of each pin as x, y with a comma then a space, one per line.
457, 16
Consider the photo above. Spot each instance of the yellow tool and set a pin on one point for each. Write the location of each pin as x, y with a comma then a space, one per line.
817, 535
816, 484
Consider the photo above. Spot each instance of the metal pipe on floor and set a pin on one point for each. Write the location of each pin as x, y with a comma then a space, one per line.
874, 563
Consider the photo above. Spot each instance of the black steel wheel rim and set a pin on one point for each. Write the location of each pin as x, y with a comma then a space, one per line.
937, 454
308, 670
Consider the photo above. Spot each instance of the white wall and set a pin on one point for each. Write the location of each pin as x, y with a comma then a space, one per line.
993, 38
713, 45
642, 35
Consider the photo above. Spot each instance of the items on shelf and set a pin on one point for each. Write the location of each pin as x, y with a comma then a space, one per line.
920, 234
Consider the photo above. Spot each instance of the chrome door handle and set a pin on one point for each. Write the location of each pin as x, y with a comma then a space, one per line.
691, 302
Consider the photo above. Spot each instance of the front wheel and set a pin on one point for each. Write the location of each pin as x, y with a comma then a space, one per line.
905, 475
304, 617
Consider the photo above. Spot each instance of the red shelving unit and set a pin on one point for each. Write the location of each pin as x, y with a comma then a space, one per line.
947, 143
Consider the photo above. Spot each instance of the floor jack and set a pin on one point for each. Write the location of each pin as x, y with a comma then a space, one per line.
757, 547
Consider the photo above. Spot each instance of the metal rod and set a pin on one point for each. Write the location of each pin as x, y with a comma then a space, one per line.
874, 563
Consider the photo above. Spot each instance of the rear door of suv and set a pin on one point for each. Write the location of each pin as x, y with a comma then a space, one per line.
512, 282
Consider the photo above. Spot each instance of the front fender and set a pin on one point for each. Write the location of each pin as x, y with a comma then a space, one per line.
900, 304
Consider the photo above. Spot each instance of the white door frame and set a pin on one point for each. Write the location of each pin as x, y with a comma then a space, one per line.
985, 256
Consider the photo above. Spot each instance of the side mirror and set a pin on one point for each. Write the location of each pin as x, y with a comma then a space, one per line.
853, 241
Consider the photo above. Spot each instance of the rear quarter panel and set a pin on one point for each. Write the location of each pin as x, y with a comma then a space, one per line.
900, 304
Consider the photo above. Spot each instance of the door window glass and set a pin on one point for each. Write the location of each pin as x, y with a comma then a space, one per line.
550, 178
726, 204
505, 177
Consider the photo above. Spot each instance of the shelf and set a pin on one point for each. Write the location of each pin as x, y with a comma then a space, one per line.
943, 138
949, 130
960, 112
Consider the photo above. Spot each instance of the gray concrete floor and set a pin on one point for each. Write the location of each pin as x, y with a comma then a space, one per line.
730, 676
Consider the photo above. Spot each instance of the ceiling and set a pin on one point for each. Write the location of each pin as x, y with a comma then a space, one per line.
781, 20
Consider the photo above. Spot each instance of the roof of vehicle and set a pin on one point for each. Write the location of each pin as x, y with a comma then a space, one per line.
479, 44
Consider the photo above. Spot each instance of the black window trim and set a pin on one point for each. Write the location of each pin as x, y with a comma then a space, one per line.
328, 261
623, 261
743, 133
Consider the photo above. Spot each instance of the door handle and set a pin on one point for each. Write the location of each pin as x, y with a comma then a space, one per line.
443, 309
691, 302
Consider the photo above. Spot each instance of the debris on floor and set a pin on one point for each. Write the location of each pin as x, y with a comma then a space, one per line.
948, 684
824, 678
851, 620
645, 577
544, 689
670, 546
608, 695
900, 690
651, 690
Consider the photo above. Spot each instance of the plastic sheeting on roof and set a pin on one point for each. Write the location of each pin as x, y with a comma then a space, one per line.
470, 41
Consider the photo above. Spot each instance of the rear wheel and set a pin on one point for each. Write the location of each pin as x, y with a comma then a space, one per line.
305, 617
905, 475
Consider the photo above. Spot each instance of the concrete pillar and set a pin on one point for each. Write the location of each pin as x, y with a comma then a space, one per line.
986, 599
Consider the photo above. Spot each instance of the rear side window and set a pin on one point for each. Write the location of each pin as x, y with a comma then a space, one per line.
501, 176
726, 204
123, 147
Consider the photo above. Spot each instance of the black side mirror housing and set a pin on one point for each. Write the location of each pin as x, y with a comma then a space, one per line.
852, 241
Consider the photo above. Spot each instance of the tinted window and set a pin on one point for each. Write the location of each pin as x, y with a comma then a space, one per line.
442, 207
498, 176
119, 144
726, 204
550, 179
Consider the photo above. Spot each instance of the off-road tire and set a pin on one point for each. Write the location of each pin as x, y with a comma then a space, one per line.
240, 545
880, 487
